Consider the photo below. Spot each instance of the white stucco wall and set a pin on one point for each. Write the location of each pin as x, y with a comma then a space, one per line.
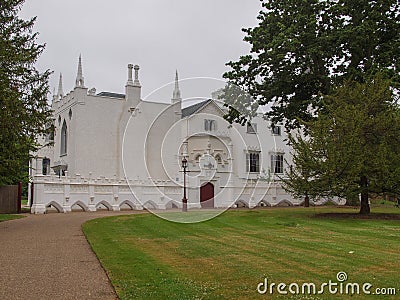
115, 138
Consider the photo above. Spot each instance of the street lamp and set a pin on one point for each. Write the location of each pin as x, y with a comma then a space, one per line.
184, 199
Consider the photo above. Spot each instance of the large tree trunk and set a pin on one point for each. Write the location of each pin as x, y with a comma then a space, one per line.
307, 201
364, 209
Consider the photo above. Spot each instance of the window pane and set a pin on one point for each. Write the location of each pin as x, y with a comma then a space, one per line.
46, 166
253, 162
277, 163
252, 128
63, 148
276, 130
210, 125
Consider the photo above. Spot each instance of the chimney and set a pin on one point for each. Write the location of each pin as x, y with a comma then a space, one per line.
133, 87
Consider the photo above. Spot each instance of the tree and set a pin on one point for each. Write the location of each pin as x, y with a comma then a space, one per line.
303, 48
24, 111
352, 148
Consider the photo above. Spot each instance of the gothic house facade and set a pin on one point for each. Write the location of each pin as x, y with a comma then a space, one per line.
116, 150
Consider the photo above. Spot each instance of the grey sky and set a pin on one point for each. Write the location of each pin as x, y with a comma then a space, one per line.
195, 37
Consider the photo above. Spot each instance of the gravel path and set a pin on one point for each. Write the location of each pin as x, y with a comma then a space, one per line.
48, 257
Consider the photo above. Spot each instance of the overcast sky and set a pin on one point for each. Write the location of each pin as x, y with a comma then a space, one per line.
195, 37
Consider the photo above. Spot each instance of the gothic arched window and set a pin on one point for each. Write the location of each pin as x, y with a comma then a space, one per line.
46, 166
64, 139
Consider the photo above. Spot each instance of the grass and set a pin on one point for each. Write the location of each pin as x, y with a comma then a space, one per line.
225, 258
25, 209
6, 217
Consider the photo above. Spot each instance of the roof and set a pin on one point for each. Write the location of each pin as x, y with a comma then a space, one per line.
113, 95
187, 111
190, 110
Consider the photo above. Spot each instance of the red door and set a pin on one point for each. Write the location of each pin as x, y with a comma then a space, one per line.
207, 195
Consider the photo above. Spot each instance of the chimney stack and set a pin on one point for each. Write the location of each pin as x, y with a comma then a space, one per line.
133, 87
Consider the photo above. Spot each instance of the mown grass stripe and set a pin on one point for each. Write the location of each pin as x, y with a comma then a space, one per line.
226, 257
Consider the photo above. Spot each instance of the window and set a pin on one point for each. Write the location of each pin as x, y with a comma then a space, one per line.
210, 125
253, 162
276, 130
46, 166
59, 172
251, 128
70, 114
218, 159
277, 163
64, 139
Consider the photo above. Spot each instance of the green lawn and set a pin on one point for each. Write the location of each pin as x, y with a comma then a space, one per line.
225, 258
6, 217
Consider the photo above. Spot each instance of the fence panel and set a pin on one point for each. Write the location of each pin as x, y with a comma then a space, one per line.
9, 203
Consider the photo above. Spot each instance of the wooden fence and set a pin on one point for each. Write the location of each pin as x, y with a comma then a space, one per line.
10, 199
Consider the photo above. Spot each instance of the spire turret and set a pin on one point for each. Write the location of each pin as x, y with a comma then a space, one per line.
176, 95
80, 82
60, 92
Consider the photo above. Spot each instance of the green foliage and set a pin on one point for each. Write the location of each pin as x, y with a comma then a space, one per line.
352, 147
242, 107
302, 48
24, 110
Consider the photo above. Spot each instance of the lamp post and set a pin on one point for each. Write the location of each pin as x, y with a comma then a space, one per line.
184, 199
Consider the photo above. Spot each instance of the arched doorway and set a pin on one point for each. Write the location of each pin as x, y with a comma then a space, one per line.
207, 195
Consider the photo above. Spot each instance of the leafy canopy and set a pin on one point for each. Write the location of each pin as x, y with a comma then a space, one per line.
24, 110
352, 148
302, 48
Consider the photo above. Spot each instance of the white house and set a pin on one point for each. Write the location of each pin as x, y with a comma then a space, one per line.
116, 150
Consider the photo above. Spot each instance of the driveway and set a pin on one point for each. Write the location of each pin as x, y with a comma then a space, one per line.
48, 257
